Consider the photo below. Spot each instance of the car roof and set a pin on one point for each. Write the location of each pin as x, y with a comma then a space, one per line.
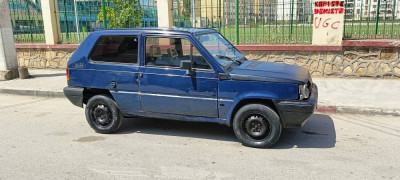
159, 30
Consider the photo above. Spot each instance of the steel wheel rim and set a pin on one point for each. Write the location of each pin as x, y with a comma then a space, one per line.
256, 127
101, 115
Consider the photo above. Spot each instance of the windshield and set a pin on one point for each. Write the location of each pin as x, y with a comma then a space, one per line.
221, 49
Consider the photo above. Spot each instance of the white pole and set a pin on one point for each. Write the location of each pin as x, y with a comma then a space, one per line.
76, 20
193, 14
165, 14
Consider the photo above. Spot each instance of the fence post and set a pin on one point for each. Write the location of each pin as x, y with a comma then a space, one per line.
164, 13
50, 21
66, 20
219, 16
103, 5
291, 21
377, 18
29, 21
237, 22
8, 57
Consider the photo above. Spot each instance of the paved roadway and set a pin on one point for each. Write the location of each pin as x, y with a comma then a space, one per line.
50, 139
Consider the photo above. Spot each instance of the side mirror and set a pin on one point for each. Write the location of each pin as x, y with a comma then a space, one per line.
223, 76
187, 65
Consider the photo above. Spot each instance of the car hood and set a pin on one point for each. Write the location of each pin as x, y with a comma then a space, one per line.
270, 72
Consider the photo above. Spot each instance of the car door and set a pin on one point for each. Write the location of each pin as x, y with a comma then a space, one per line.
167, 88
114, 66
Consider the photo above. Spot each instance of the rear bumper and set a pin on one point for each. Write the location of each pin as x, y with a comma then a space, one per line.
75, 95
294, 113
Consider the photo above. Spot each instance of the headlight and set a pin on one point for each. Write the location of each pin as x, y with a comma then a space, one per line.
304, 91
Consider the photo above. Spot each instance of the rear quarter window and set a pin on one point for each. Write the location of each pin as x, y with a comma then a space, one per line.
115, 49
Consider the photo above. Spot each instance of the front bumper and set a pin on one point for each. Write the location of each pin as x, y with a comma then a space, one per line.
75, 95
294, 113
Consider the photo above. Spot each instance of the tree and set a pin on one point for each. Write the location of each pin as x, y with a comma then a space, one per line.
186, 11
121, 13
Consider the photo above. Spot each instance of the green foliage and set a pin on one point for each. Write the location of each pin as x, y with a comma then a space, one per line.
186, 11
84, 29
121, 13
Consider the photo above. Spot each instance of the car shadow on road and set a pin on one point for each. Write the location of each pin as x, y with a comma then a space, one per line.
177, 128
318, 132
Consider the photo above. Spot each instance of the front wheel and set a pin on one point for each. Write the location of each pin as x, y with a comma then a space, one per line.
103, 114
257, 125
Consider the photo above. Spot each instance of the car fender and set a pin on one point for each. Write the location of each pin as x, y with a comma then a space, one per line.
247, 96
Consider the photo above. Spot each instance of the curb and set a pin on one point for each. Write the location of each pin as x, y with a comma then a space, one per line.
358, 110
35, 93
321, 108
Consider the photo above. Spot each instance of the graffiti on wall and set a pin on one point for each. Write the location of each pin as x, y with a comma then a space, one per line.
327, 7
328, 22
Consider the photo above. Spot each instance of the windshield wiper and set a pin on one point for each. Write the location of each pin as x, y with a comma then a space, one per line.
229, 59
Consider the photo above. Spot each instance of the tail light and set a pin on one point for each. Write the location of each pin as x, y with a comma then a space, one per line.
67, 72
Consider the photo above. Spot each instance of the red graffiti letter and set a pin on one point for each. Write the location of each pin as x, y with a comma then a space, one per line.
326, 24
333, 25
317, 24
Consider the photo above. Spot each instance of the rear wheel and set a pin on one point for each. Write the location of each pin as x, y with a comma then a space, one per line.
103, 114
257, 125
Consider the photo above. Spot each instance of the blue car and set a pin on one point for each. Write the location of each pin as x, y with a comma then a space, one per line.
188, 75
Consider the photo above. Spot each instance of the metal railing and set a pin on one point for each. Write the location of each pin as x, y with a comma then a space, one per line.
243, 22
79, 18
372, 19
26, 20
252, 22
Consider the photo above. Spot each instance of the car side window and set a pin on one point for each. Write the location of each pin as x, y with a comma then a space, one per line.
116, 49
172, 52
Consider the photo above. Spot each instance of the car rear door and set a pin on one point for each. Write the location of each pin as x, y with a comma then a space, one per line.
114, 66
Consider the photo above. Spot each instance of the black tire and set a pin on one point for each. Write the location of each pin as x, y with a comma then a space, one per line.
103, 115
257, 125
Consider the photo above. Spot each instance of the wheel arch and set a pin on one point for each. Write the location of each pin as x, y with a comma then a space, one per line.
90, 92
264, 101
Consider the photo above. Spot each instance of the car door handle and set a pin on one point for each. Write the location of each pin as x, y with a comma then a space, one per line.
140, 75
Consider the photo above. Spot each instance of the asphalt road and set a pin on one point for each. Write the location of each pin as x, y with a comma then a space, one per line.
50, 139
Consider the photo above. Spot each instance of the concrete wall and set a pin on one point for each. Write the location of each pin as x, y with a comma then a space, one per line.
351, 62
373, 62
43, 58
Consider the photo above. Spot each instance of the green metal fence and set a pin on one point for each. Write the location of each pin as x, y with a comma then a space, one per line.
26, 21
243, 22
372, 19
251, 22
79, 18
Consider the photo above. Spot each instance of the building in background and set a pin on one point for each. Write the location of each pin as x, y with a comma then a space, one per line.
368, 9
296, 10
26, 15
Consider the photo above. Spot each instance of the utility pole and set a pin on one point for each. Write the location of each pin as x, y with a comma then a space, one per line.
8, 54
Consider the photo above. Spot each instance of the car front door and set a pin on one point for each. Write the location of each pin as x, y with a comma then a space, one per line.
167, 88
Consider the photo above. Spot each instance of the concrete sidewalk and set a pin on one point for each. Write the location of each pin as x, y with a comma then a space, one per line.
336, 95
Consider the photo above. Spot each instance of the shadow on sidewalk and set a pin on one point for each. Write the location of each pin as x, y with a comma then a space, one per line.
47, 75
318, 132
